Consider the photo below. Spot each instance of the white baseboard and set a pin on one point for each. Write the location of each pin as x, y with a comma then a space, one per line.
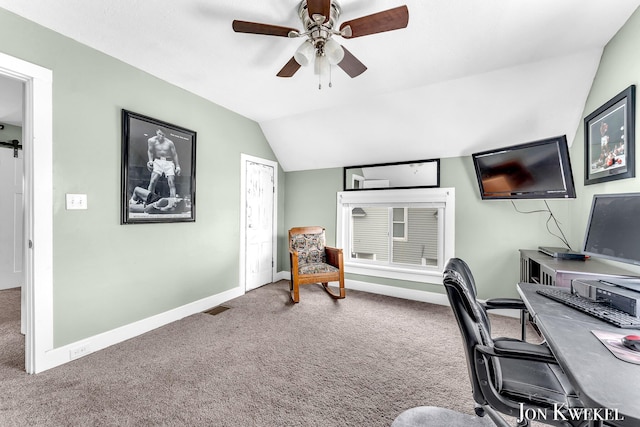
414, 295
64, 354
391, 291
282, 275
410, 294
394, 291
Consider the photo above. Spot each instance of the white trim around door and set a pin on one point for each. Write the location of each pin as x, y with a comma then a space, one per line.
244, 159
38, 208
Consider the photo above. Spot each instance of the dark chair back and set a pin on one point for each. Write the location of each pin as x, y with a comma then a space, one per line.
462, 268
470, 315
505, 373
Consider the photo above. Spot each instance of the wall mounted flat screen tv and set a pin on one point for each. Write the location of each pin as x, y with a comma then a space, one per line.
613, 228
535, 170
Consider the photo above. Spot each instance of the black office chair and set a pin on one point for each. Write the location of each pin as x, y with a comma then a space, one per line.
505, 372
494, 303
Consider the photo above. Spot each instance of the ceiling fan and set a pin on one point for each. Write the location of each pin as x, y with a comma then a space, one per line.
319, 19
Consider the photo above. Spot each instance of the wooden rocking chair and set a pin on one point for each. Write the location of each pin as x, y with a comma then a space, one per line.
313, 262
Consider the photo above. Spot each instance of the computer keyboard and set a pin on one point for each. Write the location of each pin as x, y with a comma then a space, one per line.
593, 308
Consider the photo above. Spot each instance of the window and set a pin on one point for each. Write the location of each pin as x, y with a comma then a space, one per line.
399, 224
402, 234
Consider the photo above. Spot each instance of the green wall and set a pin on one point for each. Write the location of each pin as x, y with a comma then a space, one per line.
310, 199
619, 68
489, 233
107, 275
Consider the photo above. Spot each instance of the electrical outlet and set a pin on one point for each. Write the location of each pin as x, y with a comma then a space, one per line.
79, 351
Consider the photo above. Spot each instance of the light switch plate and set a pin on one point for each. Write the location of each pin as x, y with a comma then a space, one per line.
76, 201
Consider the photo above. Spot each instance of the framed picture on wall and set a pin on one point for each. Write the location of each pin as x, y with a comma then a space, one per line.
158, 171
609, 134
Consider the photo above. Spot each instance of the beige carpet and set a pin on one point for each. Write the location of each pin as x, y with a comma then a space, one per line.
360, 361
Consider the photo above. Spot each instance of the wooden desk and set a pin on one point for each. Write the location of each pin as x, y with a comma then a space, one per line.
601, 379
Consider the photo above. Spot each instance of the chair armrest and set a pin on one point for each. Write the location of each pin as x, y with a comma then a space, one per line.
519, 350
334, 256
293, 259
504, 303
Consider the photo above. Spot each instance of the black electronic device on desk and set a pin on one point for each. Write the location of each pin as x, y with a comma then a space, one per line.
608, 292
561, 253
593, 308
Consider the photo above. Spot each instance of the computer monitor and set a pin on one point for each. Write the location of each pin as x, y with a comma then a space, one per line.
613, 229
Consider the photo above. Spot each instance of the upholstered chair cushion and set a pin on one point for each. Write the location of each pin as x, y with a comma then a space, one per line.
316, 268
310, 248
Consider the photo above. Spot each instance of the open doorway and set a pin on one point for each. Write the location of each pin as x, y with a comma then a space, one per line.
11, 210
12, 236
37, 238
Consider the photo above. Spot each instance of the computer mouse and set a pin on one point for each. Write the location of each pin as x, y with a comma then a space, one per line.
632, 342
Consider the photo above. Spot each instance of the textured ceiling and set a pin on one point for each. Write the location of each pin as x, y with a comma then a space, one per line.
464, 76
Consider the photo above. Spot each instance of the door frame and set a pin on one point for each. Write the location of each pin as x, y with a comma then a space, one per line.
37, 133
244, 158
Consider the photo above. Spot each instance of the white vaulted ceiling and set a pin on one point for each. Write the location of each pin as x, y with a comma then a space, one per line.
464, 76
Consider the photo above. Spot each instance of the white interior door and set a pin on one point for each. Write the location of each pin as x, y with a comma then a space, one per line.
11, 218
259, 224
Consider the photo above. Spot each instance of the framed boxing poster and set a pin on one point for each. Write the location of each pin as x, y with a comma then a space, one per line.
609, 134
158, 171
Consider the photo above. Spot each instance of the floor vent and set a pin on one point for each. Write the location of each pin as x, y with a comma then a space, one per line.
217, 310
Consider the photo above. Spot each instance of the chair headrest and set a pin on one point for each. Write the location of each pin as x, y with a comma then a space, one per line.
458, 286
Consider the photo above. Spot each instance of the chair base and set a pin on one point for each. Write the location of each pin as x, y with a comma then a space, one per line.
341, 295
433, 416
295, 294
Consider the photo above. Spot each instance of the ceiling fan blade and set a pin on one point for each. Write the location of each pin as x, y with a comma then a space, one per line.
351, 65
388, 20
257, 28
319, 7
289, 68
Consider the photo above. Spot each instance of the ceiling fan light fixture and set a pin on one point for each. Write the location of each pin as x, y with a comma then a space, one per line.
319, 24
333, 51
305, 53
321, 65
